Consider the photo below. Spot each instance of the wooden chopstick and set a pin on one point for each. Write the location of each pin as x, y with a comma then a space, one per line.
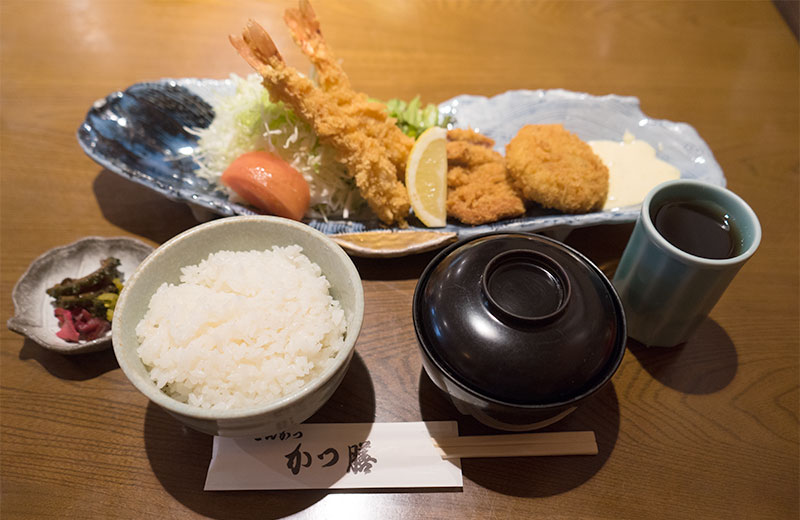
518, 445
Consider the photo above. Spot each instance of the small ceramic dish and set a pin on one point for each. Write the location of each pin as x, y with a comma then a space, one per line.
33, 308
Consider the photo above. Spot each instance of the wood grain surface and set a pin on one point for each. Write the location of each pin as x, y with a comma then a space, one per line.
707, 430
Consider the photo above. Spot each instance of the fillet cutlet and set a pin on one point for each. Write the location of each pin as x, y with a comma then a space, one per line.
478, 186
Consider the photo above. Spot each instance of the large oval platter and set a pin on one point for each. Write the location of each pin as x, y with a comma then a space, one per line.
142, 134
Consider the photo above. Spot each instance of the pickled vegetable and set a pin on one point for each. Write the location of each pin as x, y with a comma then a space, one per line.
85, 306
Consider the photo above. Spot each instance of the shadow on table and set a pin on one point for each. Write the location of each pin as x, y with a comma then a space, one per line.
705, 364
76, 367
603, 244
532, 476
179, 456
402, 268
140, 210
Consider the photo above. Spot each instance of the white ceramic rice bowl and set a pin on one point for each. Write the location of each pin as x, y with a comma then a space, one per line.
242, 233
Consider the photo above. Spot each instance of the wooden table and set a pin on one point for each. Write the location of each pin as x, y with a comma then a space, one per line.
708, 430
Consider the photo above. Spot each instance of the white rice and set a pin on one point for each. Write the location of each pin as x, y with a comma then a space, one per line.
241, 329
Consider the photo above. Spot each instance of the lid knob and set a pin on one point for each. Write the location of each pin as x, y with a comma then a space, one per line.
525, 286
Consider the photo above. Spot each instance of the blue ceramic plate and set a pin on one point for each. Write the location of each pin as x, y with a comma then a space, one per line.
141, 133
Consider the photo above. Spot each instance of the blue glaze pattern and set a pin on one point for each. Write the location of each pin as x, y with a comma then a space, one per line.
141, 133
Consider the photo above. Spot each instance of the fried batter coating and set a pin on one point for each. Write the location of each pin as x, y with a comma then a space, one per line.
364, 154
478, 187
372, 117
469, 155
555, 168
470, 136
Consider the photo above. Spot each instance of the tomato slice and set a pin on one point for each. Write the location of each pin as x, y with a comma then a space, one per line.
269, 183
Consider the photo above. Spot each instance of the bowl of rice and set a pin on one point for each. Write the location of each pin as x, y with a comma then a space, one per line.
242, 326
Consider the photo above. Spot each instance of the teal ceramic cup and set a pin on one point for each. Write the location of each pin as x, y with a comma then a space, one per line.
666, 291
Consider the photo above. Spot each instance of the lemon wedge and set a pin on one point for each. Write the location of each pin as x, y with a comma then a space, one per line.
426, 177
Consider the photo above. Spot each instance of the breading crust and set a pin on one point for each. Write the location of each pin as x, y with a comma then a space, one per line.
555, 168
478, 187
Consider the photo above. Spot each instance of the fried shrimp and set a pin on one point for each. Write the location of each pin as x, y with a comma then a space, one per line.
372, 116
364, 155
479, 190
553, 167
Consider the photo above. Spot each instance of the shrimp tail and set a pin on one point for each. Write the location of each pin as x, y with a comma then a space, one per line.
360, 134
283, 82
306, 33
304, 27
255, 46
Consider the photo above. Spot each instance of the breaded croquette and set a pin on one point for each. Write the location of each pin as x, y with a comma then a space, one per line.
556, 169
478, 187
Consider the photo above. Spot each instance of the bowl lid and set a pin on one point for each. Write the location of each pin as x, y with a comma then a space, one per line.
519, 319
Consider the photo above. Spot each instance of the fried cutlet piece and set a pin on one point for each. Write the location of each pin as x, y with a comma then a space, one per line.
470, 136
482, 194
555, 168
478, 187
469, 155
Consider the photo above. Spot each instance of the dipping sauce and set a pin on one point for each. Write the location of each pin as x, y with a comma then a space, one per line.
699, 228
633, 170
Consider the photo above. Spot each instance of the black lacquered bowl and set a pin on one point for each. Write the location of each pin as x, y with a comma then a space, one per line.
517, 328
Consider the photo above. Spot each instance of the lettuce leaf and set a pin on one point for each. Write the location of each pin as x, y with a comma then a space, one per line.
413, 118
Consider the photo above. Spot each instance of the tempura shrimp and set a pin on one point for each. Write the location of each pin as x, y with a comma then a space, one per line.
305, 29
360, 150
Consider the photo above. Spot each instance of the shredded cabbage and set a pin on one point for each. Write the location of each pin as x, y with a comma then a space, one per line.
248, 120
